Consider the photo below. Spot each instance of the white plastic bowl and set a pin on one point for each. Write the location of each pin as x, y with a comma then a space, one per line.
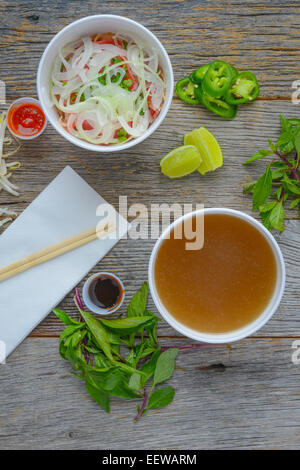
88, 26
246, 330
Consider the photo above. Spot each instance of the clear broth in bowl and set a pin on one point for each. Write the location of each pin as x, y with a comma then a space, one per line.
223, 286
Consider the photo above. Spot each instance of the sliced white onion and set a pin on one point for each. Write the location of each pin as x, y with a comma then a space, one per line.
77, 92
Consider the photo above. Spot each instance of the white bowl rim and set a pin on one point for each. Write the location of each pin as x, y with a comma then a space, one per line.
247, 330
154, 125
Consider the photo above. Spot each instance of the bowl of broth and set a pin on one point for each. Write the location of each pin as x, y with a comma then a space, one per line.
216, 275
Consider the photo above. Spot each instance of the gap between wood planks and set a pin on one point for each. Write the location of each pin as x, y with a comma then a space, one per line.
33, 335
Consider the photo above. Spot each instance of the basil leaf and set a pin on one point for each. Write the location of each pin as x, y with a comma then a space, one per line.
294, 203
285, 138
70, 330
160, 398
149, 367
277, 173
130, 358
288, 147
144, 349
101, 360
128, 369
267, 207
99, 334
137, 304
262, 189
74, 339
127, 325
297, 143
248, 188
135, 382
76, 357
290, 185
101, 397
272, 146
265, 217
165, 366
104, 378
64, 317
284, 123
277, 216
258, 155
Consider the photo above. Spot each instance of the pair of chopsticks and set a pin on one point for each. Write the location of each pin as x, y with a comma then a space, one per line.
55, 250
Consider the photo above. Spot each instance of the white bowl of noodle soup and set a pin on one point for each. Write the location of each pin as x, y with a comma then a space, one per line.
89, 27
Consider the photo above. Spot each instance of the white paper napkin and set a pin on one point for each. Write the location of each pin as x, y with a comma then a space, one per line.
65, 208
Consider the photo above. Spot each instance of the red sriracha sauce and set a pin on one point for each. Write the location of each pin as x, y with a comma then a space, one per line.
26, 119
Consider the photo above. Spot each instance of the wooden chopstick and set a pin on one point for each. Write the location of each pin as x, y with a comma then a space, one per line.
54, 250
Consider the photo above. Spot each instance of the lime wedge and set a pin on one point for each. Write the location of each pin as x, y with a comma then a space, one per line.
208, 147
180, 161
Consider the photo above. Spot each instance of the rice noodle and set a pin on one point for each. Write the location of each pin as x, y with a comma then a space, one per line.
107, 88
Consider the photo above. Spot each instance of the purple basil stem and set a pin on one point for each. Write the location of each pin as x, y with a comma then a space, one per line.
191, 346
78, 299
143, 407
182, 347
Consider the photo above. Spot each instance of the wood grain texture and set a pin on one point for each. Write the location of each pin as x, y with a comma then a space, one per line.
243, 398
260, 35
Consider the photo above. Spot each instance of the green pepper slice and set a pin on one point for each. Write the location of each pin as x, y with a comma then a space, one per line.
198, 75
219, 106
198, 92
185, 90
243, 89
217, 79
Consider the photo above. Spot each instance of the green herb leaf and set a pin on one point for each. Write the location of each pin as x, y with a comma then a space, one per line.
135, 382
99, 334
64, 317
127, 325
272, 146
258, 155
137, 305
267, 207
262, 188
277, 216
297, 143
294, 203
165, 366
160, 398
101, 397
149, 367
248, 188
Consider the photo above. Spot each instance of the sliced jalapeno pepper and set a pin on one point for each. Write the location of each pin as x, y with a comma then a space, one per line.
198, 92
217, 79
219, 106
198, 75
235, 73
243, 89
185, 90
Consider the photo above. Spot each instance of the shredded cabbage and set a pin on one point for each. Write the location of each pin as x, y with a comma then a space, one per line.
107, 88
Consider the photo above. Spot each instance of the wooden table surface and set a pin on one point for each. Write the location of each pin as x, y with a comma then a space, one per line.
245, 397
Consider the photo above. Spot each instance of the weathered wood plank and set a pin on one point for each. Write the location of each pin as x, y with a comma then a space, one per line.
261, 36
136, 172
244, 398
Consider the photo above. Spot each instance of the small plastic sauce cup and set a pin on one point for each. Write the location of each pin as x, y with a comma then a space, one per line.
26, 119
86, 294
